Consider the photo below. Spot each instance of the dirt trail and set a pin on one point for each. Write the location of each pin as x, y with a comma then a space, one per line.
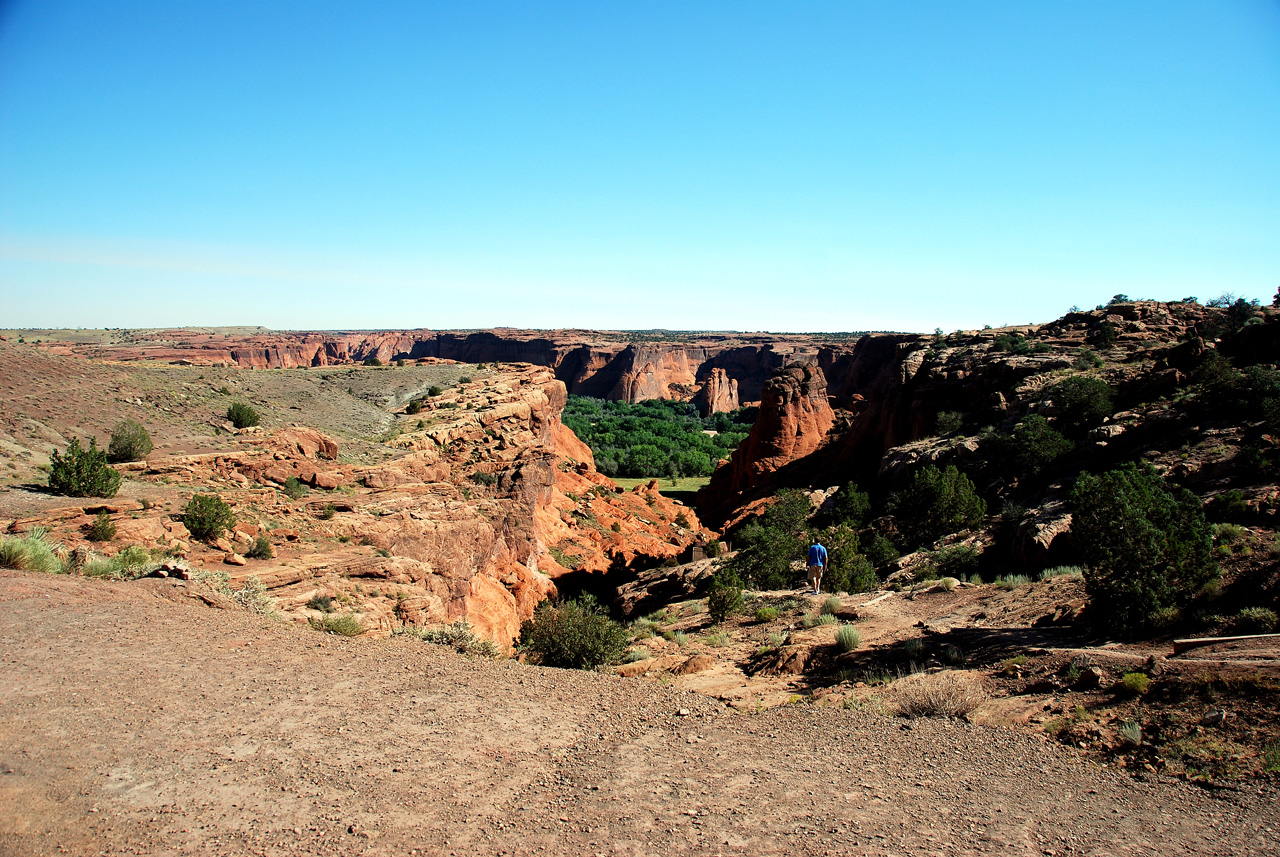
134, 720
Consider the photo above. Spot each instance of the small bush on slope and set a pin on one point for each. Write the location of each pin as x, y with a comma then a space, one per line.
206, 516
575, 634
82, 472
129, 441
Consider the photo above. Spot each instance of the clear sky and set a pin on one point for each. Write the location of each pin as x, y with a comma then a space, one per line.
786, 166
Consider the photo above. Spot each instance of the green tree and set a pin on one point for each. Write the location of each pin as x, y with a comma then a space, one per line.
242, 415
847, 569
850, 506
82, 472
1081, 402
937, 502
1147, 547
724, 598
129, 442
206, 516
1028, 449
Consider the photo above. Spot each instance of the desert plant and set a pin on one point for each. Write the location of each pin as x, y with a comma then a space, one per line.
880, 551
253, 596
461, 637
681, 520
1062, 571
129, 442
1027, 450
724, 599
30, 552
937, 502
949, 422
293, 489
1147, 548
242, 415
1255, 620
414, 407
814, 620
372, 361
1011, 581
1130, 732
777, 640
766, 614
848, 638
323, 603
82, 472
718, 639
1271, 758
851, 506
640, 653
327, 513
847, 569
206, 516
952, 654
944, 694
913, 648
958, 561
575, 634
1134, 684
261, 548
1081, 402
103, 529
346, 625
831, 605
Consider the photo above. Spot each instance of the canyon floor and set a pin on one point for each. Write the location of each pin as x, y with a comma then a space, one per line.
136, 719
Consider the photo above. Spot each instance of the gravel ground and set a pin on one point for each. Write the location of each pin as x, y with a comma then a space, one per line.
133, 719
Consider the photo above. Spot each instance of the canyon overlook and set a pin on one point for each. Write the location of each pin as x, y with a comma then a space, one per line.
718, 371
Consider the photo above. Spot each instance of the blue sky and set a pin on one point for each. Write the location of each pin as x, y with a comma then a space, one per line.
789, 166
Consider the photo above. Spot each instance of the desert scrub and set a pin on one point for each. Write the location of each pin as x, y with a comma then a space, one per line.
218, 581
131, 563
253, 596
260, 549
1255, 620
206, 516
82, 472
103, 529
848, 638
346, 625
718, 639
1062, 571
725, 597
830, 606
323, 603
31, 552
293, 489
1134, 684
766, 614
242, 415
944, 694
913, 648
327, 513
129, 441
1011, 581
459, 636
776, 640
575, 634
680, 638
814, 620
1130, 732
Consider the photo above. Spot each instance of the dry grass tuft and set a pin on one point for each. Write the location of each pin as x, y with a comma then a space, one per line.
944, 694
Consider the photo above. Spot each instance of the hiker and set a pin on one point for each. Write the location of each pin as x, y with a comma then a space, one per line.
817, 561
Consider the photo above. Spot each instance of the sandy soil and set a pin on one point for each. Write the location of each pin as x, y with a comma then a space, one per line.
134, 719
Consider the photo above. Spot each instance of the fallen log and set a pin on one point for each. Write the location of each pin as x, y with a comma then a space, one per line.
1180, 646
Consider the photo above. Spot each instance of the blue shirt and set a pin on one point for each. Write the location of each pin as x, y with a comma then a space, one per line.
817, 555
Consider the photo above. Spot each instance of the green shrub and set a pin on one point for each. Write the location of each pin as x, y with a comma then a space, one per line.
880, 551
1087, 359
129, 442
718, 639
293, 489
768, 544
949, 422
640, 653
206, 516
323, 603
1028, 449
31, 552
1255, 620
851, 506
937, 502
1130, 732
681, 520
1146, 547
848, 638
814, 620
959, 561
461, 637
103, 529
831, 605
1105, 335
327, 513
1134, 684
847, 570
346, 625
712, 549
242, 415
725, 596
433, 390
82, 472
414, 407
465, 379
1081, 402
766, 614
372, 361
575, 634
261, 548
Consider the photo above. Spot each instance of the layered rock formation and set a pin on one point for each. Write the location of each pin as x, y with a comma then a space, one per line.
719, 369
475, 514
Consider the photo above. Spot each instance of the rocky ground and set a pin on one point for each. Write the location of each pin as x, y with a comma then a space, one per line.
136, 719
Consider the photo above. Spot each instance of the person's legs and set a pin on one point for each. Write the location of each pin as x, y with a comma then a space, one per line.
815, 578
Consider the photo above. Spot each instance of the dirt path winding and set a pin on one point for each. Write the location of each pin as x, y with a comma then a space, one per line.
133, 720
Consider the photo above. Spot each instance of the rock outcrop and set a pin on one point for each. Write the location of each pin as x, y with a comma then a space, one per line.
719, 393
794, 420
